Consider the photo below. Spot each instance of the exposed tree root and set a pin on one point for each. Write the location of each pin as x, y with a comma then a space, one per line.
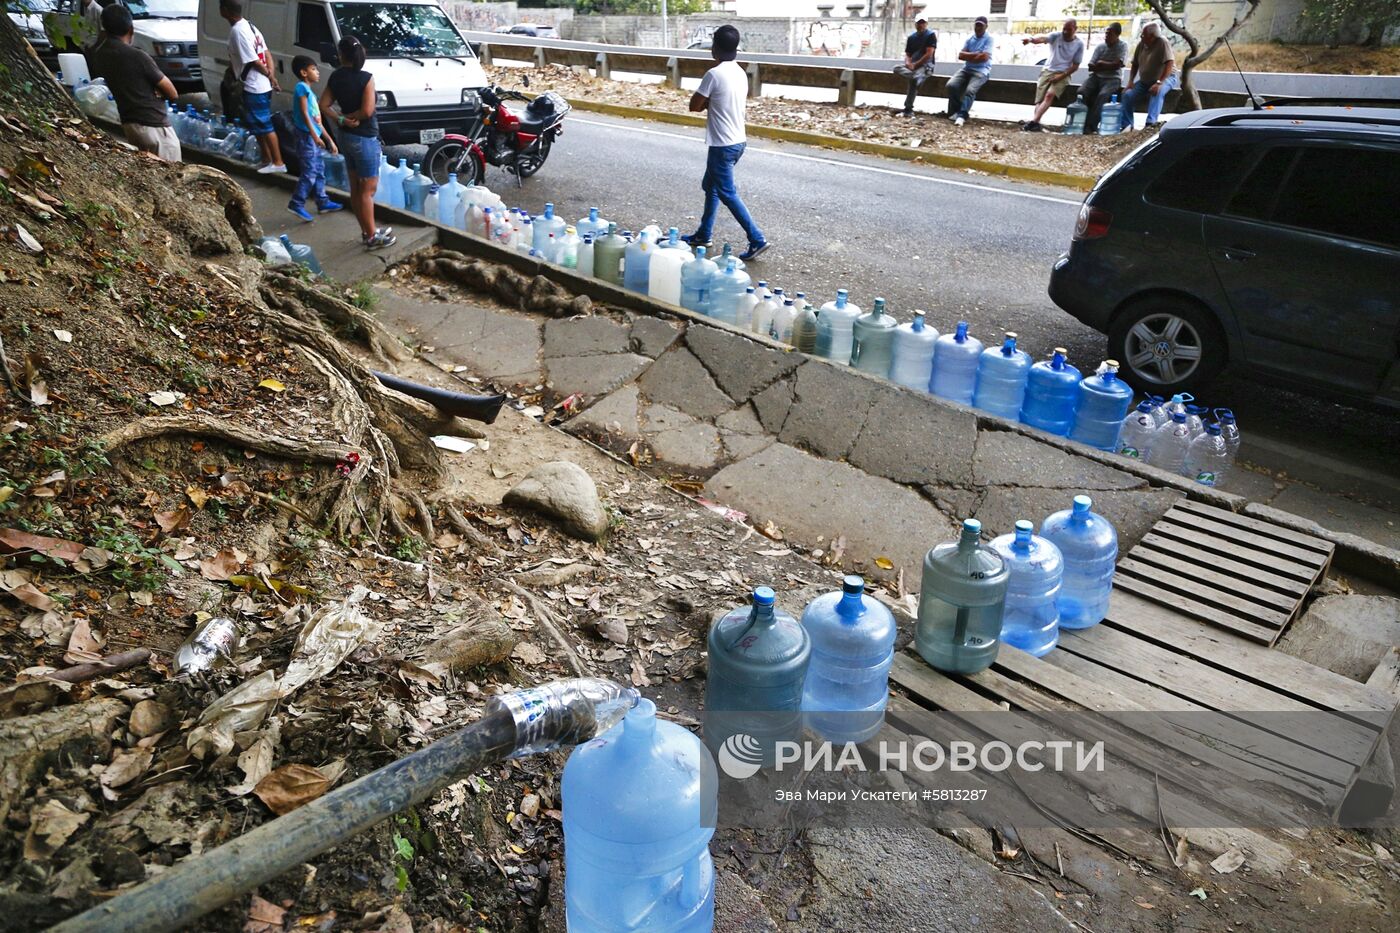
526, 293
238, 207
467, 530
208, 426
551, 625
382, 343
425, 518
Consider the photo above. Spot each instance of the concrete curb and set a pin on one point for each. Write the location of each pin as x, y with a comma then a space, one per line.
901, 153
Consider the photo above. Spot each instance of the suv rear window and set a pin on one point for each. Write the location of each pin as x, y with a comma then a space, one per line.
1200, 180
1349, 193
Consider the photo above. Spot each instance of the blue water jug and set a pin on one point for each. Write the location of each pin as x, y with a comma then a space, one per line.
1110, 116
758, 660
336, 174
728, 286
1104, 400
955, 358
697, 282
1089, 546
1001, 379
912, 361
639, 808
962, 598
1032, 619
398, 196
1075, 116
301, 254
382, 192
544, 226
415, 189
636, 264
852, 650
448, 196
1051, 394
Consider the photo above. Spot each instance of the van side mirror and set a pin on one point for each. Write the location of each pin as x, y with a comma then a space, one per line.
328, 54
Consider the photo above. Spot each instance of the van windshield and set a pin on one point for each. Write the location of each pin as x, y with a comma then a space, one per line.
163, 9
400, 30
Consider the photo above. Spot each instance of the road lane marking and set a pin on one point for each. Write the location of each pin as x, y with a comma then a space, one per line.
855, 165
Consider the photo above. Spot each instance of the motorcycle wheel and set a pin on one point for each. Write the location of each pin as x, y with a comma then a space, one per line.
448, 156
530, 163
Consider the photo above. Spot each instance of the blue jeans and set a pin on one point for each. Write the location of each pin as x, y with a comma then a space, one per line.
1154, 101
962, 91
718, 185
313, 170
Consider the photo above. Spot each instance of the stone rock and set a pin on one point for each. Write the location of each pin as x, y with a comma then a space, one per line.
679, 380
830, 404
612, 414
773, 404
741, 366
1133, 512
914, 438
1345, 634
652, 336
117, 864
563, 491
593, 375
584, 336
1005, 458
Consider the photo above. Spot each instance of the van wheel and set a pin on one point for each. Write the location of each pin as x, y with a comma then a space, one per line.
1166, 345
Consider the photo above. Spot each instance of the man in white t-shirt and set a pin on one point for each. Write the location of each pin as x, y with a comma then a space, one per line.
252, 64
723, 94
1066, 54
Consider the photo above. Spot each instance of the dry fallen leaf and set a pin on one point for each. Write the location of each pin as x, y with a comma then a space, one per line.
149, 718
164, 398
614, 630
83, 646
264, 917
291, 786
127, 765
527, 653
50, 825
272, 385
639, 674
884, 563
173, 521
12, 539
197, 496
219, 567
17, 584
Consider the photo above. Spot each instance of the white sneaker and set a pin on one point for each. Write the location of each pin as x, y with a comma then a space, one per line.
273, 170
958, 121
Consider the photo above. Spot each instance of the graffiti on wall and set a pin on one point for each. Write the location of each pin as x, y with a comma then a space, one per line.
699, 34
839, 38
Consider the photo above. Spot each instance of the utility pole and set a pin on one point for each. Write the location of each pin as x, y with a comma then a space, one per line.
665, 33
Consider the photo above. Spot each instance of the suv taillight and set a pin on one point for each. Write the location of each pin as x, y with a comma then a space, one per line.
1093, 223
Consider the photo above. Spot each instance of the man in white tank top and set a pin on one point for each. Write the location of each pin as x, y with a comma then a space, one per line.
722, 95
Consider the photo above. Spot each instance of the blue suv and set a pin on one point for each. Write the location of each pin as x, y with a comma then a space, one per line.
1267, 240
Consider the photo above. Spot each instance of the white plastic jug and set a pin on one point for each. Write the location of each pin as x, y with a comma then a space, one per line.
72, 66
664, 283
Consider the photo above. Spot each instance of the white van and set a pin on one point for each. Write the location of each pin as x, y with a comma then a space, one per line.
425, 75
164, 30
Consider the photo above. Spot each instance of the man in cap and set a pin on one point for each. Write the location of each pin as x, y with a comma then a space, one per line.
976, 56
918, 61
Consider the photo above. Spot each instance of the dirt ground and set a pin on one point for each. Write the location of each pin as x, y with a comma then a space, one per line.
1316, 59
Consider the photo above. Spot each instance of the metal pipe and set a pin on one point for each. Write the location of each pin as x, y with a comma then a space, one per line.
483, 408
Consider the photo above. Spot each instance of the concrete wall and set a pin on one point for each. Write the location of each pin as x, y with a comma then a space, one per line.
488, 16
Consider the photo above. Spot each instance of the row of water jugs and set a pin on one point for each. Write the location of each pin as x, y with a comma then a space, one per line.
639, 802
1175, 435
95, 100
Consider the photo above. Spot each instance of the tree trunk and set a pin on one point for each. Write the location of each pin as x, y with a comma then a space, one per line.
1191, 98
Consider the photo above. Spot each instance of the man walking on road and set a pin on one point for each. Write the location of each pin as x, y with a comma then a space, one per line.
137, 85
722, 95
1066, 52
252, 64
1105, 75
918, 61
976, 56
1153, 76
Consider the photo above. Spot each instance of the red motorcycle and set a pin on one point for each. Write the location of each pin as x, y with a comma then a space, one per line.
516, 140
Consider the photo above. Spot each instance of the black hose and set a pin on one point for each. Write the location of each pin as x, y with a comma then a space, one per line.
483, 408
197, 886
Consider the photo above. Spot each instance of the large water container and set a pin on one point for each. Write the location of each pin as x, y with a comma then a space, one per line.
592, 225
415, 190
852, 648
955, 359
1104, 400
664, 281
334, 162
835, 327
1196, 420
448, 196
1089, 547
1076, 114
384, 191
585, 256
697, 282
231, 146
1032, 619
763, 314
911, 362
399, 193
89, 97
1179, 402
73, 69
872, 340
546, 225
1001, 379
1051, 394
729, 253
302, 254
727, 289
1230, 430
743, 312
1170, 444
758, 658
608, 254
1208, 457
961, 601
639, 807
804, 325
1139, 428
636, 264
273, 251
1110, 116
783, 319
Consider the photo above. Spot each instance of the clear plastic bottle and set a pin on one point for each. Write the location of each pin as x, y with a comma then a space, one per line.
911, 362
1179, 402
584, 258
448, 196
639, 806
848, 679
1230, 430
608, 255
273, 251
962, 598
636, 274
835, 326
781, 330
697, 280
1089, 546
1052, 391
1196, 419
1160, 415
872, 340
1103, 403
302, 254
1170, 443
1032, 620
758, 658
743, 310
1001, 379
1139, 429
252, 152
804, 325
1208, 457
566, 250
955, 359
763, 314
524, 237
727, 289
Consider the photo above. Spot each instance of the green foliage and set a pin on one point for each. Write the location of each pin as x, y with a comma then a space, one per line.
410, 548
1334, 17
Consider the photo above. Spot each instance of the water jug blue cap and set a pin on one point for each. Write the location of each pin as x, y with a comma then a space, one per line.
1057, 359
286, 240
1083, 504
1197, 410
918, 323
1024, 530
788, 303
801, 294
1145, 406
960, 333
971, 526
451, 176
750, 288
699, 252
1179, 417
1225, 415
403, 163
1008, 345
763, 596
1183, 397
593, 213
1212, 427
762, 283
549, 210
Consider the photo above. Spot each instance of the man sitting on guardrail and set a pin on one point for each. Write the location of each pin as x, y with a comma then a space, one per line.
976, 56
1066, 52
918, 61
1153, 76
1105, 75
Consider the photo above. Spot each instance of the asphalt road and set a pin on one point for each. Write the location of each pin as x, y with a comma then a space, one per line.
960, 246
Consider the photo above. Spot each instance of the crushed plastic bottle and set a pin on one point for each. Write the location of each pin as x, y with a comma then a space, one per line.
727, 289
211, 639
1088, 544
1032, 620
847, 682
1052, 391
872, 340
697, 281
962, 598
1208, 457
835, 326
1103, 403
302, 254
1170, 443
955, 359
639, 807
1001, 379
911, 362
1139, 429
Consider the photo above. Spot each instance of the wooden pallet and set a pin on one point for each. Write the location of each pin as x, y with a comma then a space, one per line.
1242, 574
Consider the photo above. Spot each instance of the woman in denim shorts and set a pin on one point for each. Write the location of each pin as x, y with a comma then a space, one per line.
349, 95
